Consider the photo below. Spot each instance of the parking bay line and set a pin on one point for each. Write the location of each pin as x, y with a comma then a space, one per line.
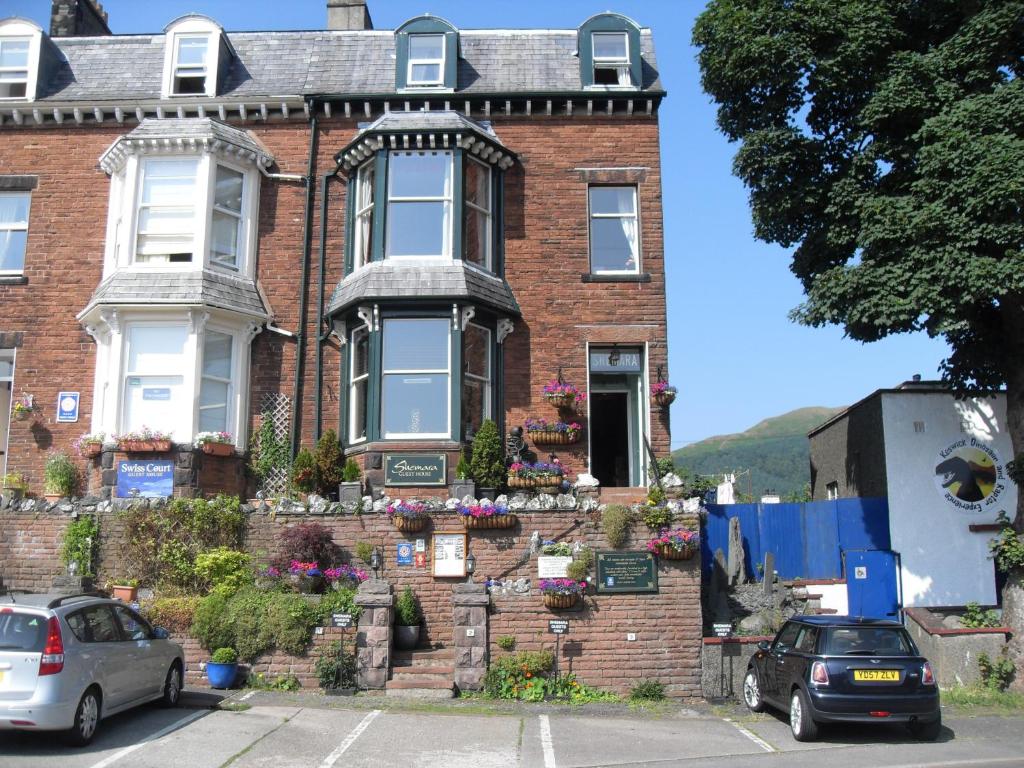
751, 735
546, 742
110, 759
332, 758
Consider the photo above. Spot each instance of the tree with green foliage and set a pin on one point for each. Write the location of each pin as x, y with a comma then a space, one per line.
884, 139
304, 471
330, 463
488, 462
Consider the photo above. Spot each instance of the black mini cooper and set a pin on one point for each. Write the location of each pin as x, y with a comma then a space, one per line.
844, 669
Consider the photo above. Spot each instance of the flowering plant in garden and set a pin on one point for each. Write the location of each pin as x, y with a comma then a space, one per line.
480, 510
556, 549
562, 389
543, 425
345, 572
535, 469
678, 540
213, 437
407, 509
143, 435
561, 587
24, 406
660, 387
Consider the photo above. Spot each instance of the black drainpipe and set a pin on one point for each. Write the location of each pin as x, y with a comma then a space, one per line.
321, 333
307, 226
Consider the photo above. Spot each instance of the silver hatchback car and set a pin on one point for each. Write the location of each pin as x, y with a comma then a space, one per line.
68, 661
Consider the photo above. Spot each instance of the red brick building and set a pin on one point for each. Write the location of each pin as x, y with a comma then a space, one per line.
394, 234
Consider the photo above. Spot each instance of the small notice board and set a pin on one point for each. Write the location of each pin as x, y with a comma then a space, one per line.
626, 572
449, 553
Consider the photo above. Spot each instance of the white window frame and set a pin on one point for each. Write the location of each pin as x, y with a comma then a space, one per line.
229, 406
12, 356
192, 26
447, 199
488, 262
18, 227
190, 71
198, 203
241, 239
188, 359
353, 380
359, 259
412, 83
620, 64
488, 379
635, 215
27, 69
413, 371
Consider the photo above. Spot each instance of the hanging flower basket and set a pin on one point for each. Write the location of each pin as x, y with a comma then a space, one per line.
554, 438
546, 481
217, 449
144, 446
681, 544
663, 394
668, 552
408, 516
479, 517
562, 400
562, 394
22, 415
559, 602
409, 524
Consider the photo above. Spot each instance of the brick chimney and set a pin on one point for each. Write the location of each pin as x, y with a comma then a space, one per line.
348, 14
78, 18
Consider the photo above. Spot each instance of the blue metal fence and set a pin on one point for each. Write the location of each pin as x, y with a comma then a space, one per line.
806, 539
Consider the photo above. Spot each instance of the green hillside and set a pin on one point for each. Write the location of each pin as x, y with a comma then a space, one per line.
774, 450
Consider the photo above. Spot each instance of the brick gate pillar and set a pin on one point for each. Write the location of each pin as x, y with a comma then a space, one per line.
470, 603
373, 640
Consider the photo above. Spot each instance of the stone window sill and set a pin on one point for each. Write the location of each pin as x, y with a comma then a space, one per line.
13, 280
641, 278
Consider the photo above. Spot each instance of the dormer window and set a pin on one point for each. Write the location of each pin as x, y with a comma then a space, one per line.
426, 60
190, 68
14, 68
611, 58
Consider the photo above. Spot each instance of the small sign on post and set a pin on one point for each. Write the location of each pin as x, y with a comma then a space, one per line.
341, 620
558, 626
722, 630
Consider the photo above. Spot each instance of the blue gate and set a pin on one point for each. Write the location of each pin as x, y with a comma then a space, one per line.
871, 583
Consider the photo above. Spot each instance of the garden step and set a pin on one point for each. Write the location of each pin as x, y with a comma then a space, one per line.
427, 680
623, 495
420, 670
426, 657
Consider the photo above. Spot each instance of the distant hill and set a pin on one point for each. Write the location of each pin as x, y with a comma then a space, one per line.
774, 450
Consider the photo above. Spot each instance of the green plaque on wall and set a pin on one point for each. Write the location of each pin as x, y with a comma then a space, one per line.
415, 469
626, 572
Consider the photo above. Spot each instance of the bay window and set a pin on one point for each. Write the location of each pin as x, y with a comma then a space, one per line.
363, 247
476, 378
153, 384
227, 217
166, 226
614, 230
215, 389
415, 395
419, 204
476, 227
359, 380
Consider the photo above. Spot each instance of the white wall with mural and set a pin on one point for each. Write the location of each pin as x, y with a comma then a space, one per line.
946, 469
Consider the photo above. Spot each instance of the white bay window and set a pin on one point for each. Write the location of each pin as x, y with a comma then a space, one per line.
359, 380
419, 205
215, 389
415, 394
154, 391
166, 228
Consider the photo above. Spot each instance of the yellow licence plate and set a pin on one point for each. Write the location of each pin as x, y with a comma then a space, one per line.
876, 675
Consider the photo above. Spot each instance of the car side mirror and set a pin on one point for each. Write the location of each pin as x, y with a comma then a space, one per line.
159, 633
764, 645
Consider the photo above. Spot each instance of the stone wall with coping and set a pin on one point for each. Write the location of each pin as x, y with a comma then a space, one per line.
953, 652
666, 625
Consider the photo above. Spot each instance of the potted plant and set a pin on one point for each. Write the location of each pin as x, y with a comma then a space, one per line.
560, 594
60, 476
304, 471
308, 577
14, 487
89, 446
680, 544
488, 462
407, 620
350, 489
526, 474
663, 393
487, 516
215, 443
145, 440
24, 408
126, 590
408, 516
562, 394
544, 432
463, 485
222, 668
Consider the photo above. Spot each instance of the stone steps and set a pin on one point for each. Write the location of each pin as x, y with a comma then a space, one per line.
623, 495
427, 673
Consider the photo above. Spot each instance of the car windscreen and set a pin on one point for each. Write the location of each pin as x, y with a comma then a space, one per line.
867, 641
22, 631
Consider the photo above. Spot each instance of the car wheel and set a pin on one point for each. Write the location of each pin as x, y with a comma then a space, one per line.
172, 687
926, 731
752, 692
87, 719
800, 722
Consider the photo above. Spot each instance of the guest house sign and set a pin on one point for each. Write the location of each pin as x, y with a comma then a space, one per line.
415, 469
626, 572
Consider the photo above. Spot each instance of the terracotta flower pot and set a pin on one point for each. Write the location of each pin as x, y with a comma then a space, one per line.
124, 592
667, 552
559, 602
217, 449
91, 450
493, 522
144, 446
410, 524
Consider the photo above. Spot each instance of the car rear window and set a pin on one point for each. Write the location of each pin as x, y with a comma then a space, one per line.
22, 631
867, 641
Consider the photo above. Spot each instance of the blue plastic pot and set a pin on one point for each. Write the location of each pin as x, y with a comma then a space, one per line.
221, 675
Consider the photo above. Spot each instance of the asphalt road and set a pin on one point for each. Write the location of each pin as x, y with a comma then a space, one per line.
302, 731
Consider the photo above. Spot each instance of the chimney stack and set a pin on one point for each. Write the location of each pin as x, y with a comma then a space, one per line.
78, 18
348, 14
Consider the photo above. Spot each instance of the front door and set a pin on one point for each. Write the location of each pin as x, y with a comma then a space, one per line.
6, 395
609, 438
617, 416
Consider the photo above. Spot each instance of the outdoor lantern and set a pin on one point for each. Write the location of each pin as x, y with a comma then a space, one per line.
375, 563
613, 357
470, 564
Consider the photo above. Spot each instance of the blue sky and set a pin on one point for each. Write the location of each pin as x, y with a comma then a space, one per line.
734, 355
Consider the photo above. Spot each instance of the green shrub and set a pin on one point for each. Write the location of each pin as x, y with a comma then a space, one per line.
80, 543
1008, 547
616, 520
175, 614
462, 469
580, 567
488, 462
351, 473
289, 622
648, 690
210, 624
224, 569
247, 616
655, 496
995, 675
225, 655
338, 601
287, 682
974, 617
364, 551
336, 668
506, 642
60, 475
329, 463
512, 677
407, 610
657, 518
304, 471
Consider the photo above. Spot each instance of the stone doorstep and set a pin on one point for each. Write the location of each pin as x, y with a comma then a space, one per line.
418, 670
424, 658
421, 680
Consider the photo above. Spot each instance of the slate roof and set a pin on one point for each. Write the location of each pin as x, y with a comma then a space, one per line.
344, 63
455, 281
207, 288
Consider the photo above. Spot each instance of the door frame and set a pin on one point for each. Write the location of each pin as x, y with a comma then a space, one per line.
638, 413
5, 444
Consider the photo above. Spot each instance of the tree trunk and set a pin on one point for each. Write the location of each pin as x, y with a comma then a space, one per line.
1013, 591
